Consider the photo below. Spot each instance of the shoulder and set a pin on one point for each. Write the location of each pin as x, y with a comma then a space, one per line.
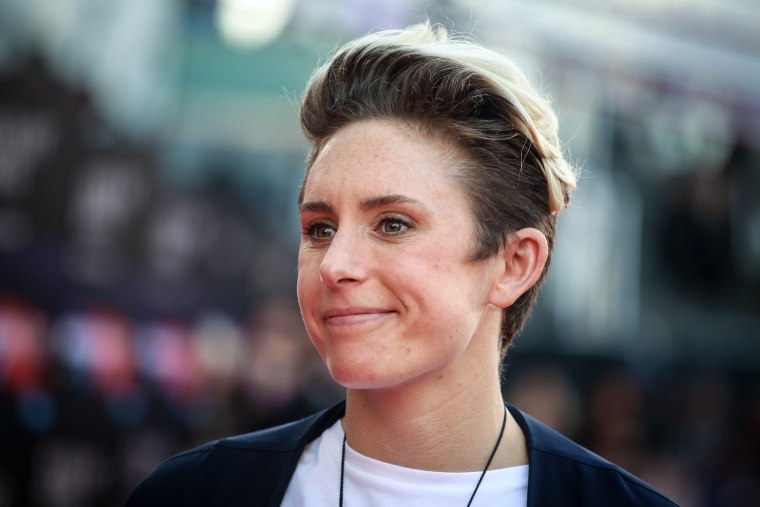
234, 470
563, 472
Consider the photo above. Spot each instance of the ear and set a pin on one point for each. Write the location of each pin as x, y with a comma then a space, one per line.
520, 263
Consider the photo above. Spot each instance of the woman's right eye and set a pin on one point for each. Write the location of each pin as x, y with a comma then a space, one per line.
320, 231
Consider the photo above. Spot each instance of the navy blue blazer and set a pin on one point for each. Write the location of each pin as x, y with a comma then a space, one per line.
255, 469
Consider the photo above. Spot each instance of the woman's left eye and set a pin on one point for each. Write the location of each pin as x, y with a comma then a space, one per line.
392, 226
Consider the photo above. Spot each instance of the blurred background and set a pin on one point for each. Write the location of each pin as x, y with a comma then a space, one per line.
150, 158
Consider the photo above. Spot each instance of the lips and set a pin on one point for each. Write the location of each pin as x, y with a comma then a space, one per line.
354, 316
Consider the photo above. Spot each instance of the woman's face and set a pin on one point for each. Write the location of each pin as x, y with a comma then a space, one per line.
386, 285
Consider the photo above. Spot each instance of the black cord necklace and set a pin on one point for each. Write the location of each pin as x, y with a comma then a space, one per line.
482, 475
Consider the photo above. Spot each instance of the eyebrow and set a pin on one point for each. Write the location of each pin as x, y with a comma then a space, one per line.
367, 204
314, 206
385, 200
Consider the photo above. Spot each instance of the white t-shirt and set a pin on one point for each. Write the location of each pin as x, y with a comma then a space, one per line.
371, 483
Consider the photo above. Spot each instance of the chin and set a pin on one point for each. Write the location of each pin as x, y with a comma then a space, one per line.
372, 377
352, 379
358, 377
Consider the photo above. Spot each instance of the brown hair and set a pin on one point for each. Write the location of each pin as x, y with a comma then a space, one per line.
504, 134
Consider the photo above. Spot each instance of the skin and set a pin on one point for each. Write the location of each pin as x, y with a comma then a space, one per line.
395, 306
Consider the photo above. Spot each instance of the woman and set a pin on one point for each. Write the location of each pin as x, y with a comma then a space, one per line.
428, 213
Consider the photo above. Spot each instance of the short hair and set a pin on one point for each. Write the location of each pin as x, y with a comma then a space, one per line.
504, 133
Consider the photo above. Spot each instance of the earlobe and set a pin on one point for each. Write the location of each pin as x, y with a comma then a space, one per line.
522, 260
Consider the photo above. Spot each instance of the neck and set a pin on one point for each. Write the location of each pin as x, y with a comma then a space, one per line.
441, 424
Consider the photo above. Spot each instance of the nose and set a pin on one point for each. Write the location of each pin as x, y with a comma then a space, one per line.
344, 261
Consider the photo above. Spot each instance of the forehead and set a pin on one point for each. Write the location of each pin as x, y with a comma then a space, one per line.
382, 156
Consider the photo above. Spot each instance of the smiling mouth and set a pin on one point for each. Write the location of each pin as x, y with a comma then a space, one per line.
356, 317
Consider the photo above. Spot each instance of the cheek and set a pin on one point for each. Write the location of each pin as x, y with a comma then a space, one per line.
307, 292
452, 296
304, 291
306, 284
308, 265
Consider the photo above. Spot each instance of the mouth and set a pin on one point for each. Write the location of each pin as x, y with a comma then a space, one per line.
354, 316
